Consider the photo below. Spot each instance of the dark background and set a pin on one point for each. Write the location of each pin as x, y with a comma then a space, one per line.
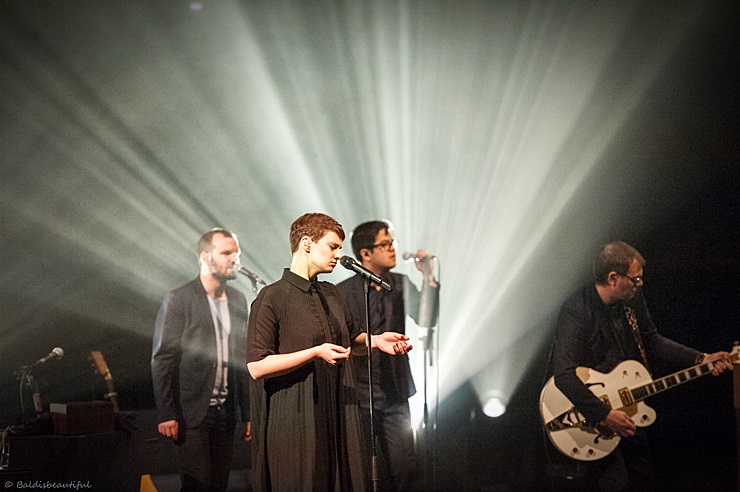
669, 181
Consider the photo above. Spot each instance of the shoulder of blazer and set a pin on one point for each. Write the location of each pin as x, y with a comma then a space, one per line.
350, 286
193, 288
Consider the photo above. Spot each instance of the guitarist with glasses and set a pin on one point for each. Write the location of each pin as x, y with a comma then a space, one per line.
603, 324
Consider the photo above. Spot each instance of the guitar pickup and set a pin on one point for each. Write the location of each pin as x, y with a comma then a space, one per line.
626, 396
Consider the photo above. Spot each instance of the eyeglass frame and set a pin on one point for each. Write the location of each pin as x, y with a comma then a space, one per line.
634, 280
385, 245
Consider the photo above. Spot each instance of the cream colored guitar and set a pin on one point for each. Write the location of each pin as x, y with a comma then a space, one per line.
624, 388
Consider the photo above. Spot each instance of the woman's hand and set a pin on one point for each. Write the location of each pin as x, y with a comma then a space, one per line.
392, 343
332, 353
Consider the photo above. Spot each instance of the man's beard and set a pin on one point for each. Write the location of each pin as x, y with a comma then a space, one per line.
230, 274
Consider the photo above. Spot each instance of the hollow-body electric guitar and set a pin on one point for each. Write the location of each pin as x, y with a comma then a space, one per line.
624, 388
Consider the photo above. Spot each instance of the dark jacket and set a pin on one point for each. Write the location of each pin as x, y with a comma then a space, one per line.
592, 334
395, 312
184, 355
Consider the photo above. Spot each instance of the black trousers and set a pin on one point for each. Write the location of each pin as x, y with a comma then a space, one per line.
627, 469
394, 445
205, 455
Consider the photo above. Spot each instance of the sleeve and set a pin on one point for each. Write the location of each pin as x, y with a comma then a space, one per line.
263, 328
239, 366
166, 356
665, 350
569, 352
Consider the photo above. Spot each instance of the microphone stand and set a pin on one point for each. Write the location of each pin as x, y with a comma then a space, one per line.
426, 317
29, 381
368, 277
252, 276
428, 342
374, 457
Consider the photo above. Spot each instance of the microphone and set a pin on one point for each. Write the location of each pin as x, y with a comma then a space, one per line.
412, 257
54, 354
350, 264
252, 276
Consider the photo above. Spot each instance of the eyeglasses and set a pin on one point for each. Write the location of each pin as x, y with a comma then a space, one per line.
385, 245
634, 280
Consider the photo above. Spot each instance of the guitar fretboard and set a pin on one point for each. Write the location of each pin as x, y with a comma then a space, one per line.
680, 377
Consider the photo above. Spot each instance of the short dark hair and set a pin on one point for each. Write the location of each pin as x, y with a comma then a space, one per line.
616, 256
205, 243
363, 237
315, 226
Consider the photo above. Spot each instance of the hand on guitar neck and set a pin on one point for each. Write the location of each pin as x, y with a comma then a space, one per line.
723, 362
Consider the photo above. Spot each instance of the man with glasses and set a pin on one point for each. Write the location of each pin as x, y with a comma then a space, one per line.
603, 324
375, 249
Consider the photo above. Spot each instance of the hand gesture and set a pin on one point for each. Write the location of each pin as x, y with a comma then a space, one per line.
392, 343
332, 353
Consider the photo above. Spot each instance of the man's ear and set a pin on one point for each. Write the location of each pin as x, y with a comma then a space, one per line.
364, 254
306, 244
612, 277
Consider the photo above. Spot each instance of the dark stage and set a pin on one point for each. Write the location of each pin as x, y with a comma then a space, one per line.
508, 138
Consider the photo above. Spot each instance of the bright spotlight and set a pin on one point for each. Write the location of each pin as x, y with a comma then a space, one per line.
494, 404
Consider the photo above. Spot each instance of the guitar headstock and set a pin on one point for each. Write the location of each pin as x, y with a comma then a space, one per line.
98, 362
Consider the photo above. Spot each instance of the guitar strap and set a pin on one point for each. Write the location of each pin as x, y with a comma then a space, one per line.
632, 320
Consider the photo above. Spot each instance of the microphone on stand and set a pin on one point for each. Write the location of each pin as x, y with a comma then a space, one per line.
28, 380
412, 257
251, 275
54, 354
350, 264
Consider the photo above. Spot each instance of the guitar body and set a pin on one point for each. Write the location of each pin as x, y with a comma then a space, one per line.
567, 428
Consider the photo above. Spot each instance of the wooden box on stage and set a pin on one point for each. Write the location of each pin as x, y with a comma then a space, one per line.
82, 417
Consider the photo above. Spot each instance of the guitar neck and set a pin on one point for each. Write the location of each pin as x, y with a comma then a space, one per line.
112, 394
675, 379
96, 357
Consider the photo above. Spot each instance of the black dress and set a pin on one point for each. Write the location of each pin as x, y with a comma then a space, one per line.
306, 424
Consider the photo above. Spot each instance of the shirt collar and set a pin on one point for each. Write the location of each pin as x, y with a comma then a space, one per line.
296, 280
